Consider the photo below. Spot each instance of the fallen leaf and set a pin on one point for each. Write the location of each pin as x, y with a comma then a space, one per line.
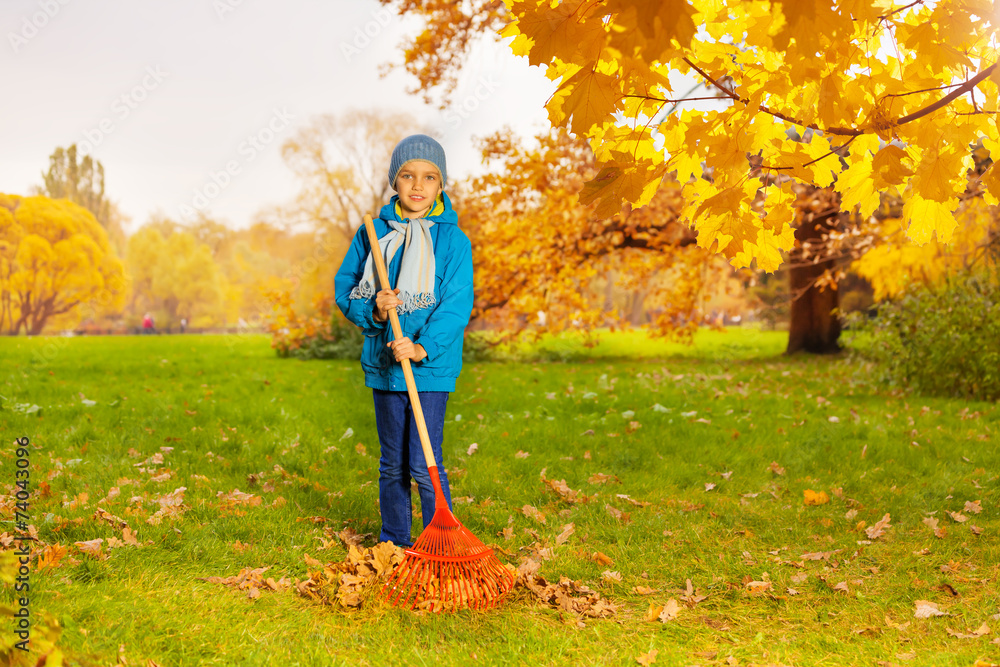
349, 537
618, 514
757, 587
521, 455
813, 498
51, 556
92, 547
974, 506
600, 478
609, 575
637, 503
237, 497
360, 449
927, 609
709, 486
958, 517
472, 449
775, 468
528, 566
842, 587
932, 523
563, 490
601, 558
347, 434
976, 634
533, 513
644, 590
115, 522
647, 658
669, 611
877, 530
690, 597
564, 535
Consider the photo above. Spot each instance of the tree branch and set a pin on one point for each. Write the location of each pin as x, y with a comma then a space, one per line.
966, 87
850, 132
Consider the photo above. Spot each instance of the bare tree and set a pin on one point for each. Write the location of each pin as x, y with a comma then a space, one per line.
342, 162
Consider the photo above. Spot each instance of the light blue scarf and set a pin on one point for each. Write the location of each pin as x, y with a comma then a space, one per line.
416, 271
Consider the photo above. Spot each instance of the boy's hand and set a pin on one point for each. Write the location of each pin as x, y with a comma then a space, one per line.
385, 301
405, 349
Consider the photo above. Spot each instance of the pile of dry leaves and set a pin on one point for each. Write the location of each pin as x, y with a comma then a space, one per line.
364, 570
348, 583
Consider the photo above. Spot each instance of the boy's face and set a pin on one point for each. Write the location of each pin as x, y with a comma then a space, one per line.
418, 184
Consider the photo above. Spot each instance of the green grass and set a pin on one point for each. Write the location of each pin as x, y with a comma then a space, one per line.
747, 342
231, 396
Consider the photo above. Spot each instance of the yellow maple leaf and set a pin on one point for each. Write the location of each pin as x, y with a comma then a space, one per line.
814, 498
923, 218
559, 30
590, 100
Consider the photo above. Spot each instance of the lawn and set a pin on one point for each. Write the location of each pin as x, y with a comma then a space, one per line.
695, 463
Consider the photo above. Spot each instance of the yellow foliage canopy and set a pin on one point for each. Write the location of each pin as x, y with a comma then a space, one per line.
176, 274
54, 259
899, 90
894, 264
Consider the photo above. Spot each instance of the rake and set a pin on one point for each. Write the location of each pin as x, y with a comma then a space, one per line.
447, 568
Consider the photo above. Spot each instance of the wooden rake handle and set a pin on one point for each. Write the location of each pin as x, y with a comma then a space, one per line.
411, 383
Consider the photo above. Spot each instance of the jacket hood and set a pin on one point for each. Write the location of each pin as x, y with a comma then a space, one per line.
445, 217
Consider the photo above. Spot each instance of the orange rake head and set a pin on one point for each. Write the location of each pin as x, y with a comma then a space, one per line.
447, 569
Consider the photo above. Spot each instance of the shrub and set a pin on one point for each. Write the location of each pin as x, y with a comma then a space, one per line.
941, 341
327, 335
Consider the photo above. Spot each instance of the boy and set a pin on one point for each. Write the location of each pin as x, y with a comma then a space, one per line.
429, 260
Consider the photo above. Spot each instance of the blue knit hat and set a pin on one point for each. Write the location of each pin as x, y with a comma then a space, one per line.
417, 147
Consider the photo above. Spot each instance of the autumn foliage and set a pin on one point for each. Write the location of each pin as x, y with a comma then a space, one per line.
54, 258
538, 252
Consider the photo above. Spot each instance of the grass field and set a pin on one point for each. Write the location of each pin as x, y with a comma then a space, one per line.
723, 441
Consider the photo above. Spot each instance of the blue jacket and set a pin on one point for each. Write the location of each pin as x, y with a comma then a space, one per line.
439, 329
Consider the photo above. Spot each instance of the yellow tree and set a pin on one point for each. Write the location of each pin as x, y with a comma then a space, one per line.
55, 259
175, 277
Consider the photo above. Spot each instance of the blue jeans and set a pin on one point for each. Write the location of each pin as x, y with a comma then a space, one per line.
402, 457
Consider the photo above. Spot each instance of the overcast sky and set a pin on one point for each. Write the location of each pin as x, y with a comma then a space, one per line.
166, 94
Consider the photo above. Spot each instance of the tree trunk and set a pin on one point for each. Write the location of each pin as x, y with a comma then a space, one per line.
609, 291
814, 327
637, 314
